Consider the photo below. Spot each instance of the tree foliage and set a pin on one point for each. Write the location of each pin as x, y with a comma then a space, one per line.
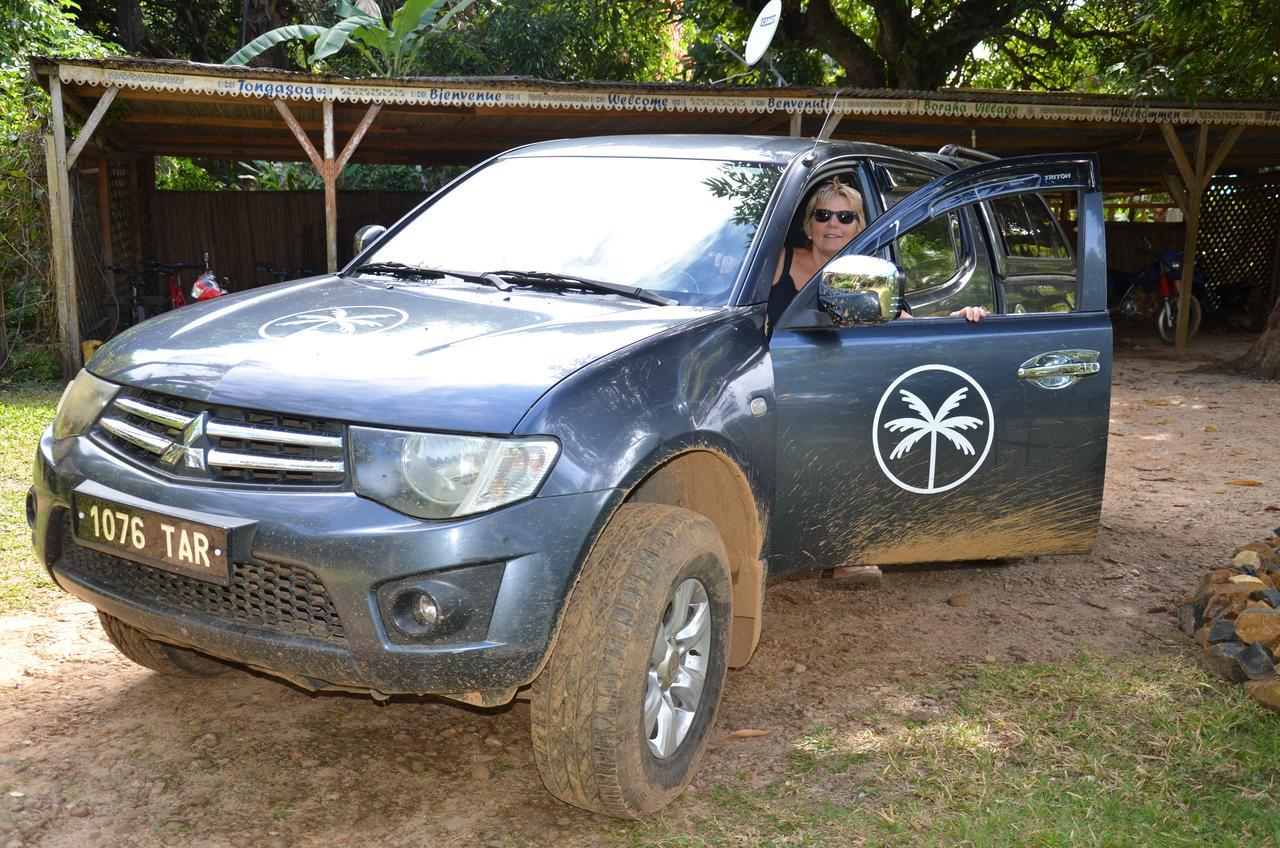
29, 28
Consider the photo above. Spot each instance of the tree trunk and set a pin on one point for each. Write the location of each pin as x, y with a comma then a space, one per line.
1263, 359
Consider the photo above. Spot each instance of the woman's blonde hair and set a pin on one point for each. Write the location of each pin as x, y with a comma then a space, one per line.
829, 190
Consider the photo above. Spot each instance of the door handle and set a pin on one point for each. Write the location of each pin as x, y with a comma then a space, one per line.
1058, 369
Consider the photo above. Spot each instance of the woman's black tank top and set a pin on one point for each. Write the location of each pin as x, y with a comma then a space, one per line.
781, 294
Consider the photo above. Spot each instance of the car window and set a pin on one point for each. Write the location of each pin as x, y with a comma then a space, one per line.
932, 253
1027, 229
938, 257
898, 181
680, 228
1035, 266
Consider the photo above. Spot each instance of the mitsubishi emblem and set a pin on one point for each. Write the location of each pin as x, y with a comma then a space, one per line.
188, 450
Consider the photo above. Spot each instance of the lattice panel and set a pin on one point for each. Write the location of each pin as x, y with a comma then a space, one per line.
1237, 242
120, 184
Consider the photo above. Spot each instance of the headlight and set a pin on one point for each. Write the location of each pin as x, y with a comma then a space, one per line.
434, 475
84, 398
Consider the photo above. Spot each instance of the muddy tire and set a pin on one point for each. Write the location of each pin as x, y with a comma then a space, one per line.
619, 719
158, 656
1167, 319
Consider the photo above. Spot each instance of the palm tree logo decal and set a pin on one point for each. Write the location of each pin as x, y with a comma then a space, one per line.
339, 320
945, 423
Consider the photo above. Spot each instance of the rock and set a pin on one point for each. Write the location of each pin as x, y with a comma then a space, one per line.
1250, 581
799, 668
1247, 558
1271, 597
1265, 691
960, 601
1226, 600
1221, 660
1266, 555
1258, 625
1187, 619
1256, 663
309, 762
1221, 630
493, 741
1097, 602
480, 771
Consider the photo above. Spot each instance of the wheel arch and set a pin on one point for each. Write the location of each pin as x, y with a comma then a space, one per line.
707, 482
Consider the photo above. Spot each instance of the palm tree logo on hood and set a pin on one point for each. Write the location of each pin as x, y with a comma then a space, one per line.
944, 423
337, 320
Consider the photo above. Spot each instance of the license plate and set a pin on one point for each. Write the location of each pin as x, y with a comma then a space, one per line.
174, 544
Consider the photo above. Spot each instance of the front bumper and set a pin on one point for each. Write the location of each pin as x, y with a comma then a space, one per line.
313, 574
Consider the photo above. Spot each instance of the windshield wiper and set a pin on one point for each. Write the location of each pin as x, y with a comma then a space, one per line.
546, 278
420, 272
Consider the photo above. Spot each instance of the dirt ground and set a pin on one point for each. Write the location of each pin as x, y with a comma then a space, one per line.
97, 751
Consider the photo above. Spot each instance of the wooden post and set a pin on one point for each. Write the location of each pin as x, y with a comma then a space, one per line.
1196, 178
64, 264
327, 166
330, 176
135, 213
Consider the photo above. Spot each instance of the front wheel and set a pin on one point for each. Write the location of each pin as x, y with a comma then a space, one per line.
1167, 319
158, 656
622, 712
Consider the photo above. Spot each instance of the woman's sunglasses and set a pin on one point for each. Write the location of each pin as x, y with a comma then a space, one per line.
822, 216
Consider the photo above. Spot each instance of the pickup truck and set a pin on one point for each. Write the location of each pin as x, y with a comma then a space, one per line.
537, 440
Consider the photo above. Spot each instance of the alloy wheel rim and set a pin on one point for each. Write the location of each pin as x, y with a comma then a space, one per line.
677, 668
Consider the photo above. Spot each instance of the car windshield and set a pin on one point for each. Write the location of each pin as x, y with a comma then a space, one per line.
679, 228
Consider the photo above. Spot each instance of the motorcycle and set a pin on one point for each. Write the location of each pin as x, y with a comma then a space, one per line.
1154, 292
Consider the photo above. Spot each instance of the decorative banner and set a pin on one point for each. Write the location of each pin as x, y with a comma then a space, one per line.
523, 94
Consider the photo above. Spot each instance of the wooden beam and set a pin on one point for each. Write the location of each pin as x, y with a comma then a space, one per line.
795, 125
829, 125
1179, 157
299, 134
354, 141
1177, 192
1223, 149
91, 124
64, 264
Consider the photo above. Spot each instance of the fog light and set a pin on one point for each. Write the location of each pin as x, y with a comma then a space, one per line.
31, 507
426, 611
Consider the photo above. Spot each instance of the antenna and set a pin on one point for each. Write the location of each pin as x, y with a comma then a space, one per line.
827, 128
758, 41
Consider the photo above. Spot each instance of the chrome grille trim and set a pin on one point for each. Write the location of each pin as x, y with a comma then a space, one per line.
227, 459
158, 414
144, 439
280, 437
198, 441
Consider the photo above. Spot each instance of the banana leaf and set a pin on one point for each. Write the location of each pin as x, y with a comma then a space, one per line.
335, 37
280, 35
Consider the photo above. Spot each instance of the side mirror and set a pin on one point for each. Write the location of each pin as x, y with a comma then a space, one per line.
858, 290
367, 235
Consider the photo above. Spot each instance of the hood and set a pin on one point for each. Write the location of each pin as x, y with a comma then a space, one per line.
435, 355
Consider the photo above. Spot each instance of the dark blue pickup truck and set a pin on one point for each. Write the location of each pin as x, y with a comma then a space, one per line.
538, 438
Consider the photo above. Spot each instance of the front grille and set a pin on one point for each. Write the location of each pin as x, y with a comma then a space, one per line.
276, 597
199, 441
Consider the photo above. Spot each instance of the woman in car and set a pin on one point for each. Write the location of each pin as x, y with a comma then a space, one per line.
832, 217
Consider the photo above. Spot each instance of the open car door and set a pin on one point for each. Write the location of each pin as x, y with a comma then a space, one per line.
913, 439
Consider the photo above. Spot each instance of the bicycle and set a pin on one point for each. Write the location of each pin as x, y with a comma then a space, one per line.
140, 306
171, 272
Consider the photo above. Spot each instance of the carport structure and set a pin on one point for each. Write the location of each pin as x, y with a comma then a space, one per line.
131, 110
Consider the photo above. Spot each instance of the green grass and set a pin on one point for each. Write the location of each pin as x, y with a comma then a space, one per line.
1145, 750
25, 410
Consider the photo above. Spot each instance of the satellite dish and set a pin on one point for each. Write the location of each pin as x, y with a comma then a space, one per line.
762, 32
